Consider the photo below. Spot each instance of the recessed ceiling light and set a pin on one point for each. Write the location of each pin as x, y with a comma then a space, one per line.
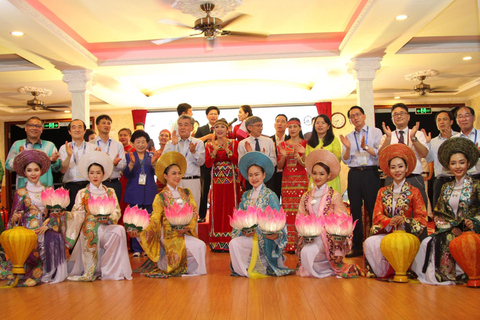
397, 98
401, 17
467, 58
16, 33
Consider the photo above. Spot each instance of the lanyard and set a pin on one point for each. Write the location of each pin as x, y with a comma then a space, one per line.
108, 149
366, 138
188, 146
75, 153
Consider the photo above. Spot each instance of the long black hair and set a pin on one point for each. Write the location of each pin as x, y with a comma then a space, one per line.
329, 136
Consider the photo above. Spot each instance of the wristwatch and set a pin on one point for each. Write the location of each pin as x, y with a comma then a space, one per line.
414, 139
366, 148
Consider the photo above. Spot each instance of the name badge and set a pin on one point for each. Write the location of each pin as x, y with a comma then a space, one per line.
142, 179
362, 159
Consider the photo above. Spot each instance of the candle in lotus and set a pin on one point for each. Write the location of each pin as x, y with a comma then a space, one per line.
309, 226
55, 199
270, 220
102, 206
135, 218
179, 216
244, 219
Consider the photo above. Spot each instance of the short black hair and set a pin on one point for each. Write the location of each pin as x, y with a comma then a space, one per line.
465, 107
183, 108
84, 126
449, 113
139, 124
138, 134
212, 108
399, 105
281, 115
101, 117
36, 118
355, 107
96, 164
87, 134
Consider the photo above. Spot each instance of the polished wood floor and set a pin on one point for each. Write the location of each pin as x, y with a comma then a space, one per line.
219, 296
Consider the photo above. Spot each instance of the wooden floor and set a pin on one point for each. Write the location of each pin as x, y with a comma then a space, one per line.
219, 296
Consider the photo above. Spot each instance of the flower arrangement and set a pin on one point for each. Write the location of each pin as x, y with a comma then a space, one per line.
339, 224
55, 199
270, 220
244, 220
309, 226
179, 216
102, 206
135, 218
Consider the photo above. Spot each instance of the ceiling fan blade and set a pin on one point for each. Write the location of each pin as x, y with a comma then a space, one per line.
56, 107
173, 23
235, 18
19, 107
443, 91
163, 41
243, 34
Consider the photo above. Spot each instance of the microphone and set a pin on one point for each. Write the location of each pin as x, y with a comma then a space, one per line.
231, 122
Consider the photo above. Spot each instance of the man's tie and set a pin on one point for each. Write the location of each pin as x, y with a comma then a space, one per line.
400, 139
257, 145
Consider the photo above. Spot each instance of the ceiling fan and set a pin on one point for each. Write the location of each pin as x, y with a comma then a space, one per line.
36, 104
208, 26
424, 88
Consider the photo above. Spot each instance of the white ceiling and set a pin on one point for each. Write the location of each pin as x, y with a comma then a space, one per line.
304, 59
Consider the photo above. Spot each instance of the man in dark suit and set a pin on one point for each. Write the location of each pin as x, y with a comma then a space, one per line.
275, 184
205, 133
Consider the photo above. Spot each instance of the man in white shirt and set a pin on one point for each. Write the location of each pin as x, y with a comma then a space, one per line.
465, 120
113, 149
256, 142
184, 108
444, 120
194, 152
70, 153
413, 138
275, 184
360, 154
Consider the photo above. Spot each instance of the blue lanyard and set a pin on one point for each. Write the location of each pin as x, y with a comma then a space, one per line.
188, 146
355, 136
108, 149
75, 155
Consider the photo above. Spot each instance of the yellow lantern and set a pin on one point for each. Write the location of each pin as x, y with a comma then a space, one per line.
18, 243
400, 248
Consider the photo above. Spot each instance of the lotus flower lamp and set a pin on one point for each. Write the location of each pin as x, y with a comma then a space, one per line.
135, 218
309, 226
271, 221
245, 220
102, 207
179, 216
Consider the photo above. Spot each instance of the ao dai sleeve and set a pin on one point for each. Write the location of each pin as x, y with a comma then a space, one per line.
152, 246
338, 205
380, 221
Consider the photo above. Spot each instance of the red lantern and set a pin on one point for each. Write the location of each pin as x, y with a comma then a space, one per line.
465, 249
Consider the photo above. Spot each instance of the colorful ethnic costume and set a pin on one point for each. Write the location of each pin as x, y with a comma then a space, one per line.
101, 249
257, 256
47, 262
174, 255
224, 194
294, 185
319, 259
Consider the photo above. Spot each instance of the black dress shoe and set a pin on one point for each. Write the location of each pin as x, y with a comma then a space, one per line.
354, 253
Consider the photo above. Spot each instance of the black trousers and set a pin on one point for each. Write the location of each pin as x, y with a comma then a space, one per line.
205, 181
275, 183
363, 186
73, 188
116, 185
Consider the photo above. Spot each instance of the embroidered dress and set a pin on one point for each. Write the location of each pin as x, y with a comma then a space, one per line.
294, 185
46, 263
336, 148
174, 255
408, 202
319, 259
258, 256
101, 249
458, 201
225, 192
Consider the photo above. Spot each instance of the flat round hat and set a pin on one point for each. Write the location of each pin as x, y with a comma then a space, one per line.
325, 157
31, 155
397, 150
458, 145
259, 159
166, 160
98, 157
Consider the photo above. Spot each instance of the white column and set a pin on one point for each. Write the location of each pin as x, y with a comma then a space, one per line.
363, 69
80, 86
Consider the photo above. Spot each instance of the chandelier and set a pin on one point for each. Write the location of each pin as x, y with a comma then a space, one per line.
221, 7
421, 75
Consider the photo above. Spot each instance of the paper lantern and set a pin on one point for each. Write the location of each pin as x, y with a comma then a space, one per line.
400, 248
465, 249
18, 243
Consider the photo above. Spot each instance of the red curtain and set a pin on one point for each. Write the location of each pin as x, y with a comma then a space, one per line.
139, 116
325, 108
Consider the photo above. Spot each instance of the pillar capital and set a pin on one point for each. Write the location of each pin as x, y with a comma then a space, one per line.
364, 68
79, 81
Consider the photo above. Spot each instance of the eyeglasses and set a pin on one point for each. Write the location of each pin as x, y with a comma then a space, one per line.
258, 125
399, 114
355, 115
36, 126
464, 116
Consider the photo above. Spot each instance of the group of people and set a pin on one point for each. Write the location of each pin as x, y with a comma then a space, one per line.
235, 168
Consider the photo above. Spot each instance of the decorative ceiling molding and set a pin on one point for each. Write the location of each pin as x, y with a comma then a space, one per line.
356, 24
469, 85
421, 48
47, 24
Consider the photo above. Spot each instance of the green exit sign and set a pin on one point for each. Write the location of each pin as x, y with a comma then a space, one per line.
51, 125
423, 110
